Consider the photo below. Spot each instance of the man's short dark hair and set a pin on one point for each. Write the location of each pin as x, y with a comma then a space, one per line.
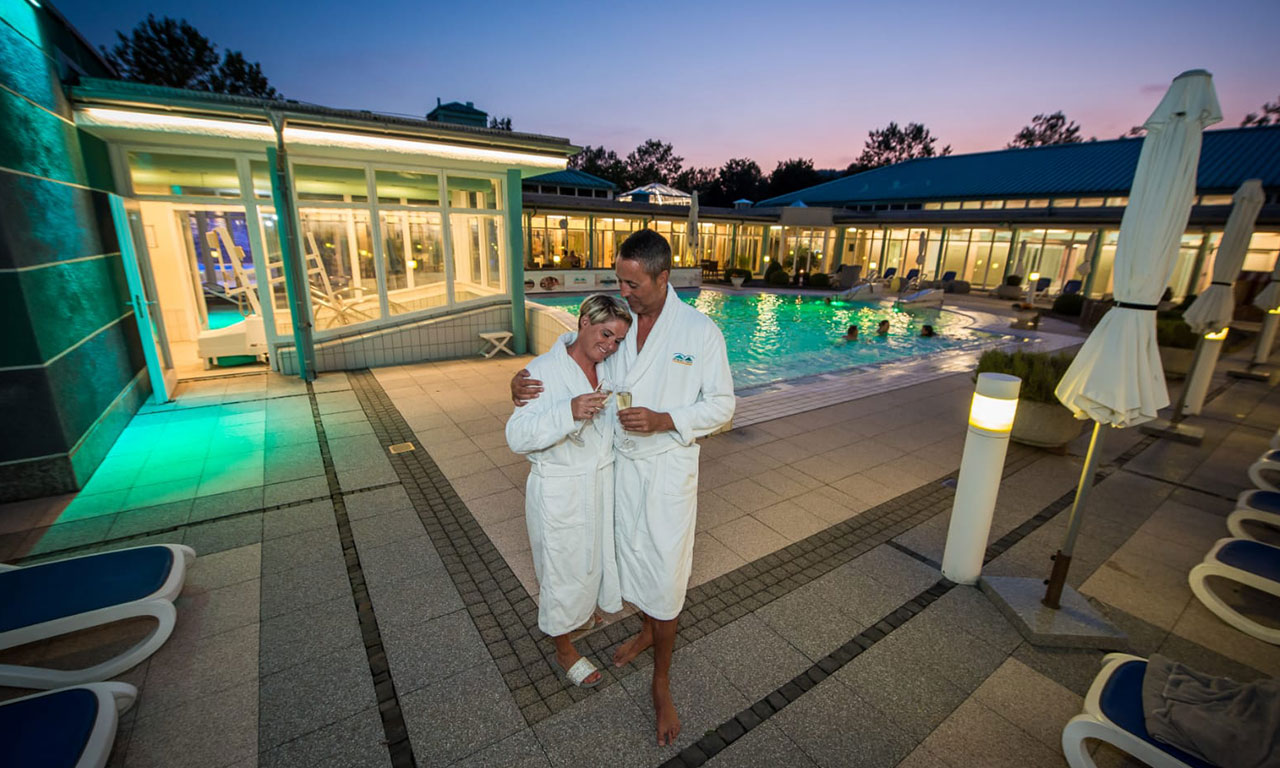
650, 249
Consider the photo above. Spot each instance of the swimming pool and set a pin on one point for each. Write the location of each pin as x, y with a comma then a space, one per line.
773, 337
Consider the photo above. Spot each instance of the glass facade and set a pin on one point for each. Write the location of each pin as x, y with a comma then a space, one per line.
376, 241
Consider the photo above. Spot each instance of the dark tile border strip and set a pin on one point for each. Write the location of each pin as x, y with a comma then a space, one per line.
739, 725
393, 725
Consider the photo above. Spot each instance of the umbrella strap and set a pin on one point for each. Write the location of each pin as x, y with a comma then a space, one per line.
1147, 307
1217, 282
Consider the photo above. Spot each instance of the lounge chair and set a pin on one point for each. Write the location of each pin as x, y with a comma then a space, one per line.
51, 599
1113, 713
948, 276
1042, 285
1267, 462
67, 728
1246, 562
1254, 506
888, 274
912, 275
1072, 286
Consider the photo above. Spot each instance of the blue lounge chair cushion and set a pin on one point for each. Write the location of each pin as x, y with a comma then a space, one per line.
48, 731
41, 593
1273, 455
1043, 284
948, 276
1252, 556
1265, 501
1121, 702
913, 274
1072, 286
890, 272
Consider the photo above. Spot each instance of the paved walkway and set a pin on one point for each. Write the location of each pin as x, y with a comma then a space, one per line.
354, 607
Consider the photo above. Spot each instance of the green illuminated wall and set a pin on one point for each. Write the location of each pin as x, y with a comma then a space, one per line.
69, 355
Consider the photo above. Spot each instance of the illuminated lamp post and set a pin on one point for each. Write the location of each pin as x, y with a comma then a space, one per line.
1032, 279
995, 402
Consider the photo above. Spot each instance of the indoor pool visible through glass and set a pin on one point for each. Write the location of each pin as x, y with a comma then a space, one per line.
772, 337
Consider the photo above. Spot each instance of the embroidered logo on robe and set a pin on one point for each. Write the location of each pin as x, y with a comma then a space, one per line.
682, 359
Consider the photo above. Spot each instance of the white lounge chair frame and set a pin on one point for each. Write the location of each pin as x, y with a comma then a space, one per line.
1265, 463
1214, 567
1093, 724
1245, 511
114, 699
158, 605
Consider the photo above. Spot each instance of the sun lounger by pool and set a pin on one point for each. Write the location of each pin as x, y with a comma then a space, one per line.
1267, 462
1246, 562
67, 728
1113, 713
57, 598
1254, 506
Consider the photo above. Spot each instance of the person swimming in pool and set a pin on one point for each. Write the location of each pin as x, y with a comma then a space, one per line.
883, 328
851, 334
926, 332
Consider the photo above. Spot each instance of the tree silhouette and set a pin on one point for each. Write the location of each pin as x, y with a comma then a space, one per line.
792, 175
701, 180
601, 162
1270, 115
500, 123
653, 161
739, 178
1045, 130
173, 53
891, 144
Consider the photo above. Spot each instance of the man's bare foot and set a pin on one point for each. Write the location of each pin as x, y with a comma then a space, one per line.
665, 710
566, 662
633, 647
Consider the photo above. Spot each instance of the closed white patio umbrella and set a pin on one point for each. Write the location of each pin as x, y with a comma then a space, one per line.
1210, 313
1116, 378
691, 236
1268, 300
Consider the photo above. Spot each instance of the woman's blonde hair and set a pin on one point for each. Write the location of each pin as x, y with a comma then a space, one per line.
601, 307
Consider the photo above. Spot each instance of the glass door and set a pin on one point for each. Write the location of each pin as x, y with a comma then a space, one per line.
127, 218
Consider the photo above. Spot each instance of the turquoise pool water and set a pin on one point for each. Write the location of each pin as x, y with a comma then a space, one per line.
772, 337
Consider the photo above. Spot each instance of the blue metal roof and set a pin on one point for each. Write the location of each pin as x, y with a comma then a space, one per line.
1227, 158
571, 177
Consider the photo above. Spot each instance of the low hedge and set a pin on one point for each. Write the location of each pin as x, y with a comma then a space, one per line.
1040, 371
819, 280
778, 277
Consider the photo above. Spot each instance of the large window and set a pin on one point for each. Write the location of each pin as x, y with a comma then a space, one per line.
157, 173
342, 276
413, 251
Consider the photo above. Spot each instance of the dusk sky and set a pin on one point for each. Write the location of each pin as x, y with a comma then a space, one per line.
767, 81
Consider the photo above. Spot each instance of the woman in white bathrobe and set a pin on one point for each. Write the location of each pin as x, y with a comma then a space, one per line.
569, 493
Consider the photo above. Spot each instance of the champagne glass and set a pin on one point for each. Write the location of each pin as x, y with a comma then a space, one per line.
575, 436
624, 402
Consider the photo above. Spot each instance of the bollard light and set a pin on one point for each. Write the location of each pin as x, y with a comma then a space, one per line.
1033, 277
1275, 311
1216, 336
991, 414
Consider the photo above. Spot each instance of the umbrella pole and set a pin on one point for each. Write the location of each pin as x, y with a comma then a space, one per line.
1062, 560
1186, 386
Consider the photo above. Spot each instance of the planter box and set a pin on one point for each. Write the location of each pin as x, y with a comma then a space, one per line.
737, 281
1044, 425
1176, 361
1015, 293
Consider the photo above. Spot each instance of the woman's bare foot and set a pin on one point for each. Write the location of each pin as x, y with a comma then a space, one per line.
665, 710
633, 647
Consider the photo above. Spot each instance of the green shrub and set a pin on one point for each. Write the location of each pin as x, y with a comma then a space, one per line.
819, 280
1070, 304
1013, 281
773, 267
1040, 371
1174, 332
777, 277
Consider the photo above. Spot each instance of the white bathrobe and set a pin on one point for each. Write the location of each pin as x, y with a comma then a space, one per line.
568, 496
683, 370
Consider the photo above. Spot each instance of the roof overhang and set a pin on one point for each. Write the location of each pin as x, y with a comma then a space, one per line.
120, 111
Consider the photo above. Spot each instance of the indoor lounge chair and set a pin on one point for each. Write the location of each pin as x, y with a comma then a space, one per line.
57, 598
67, 728
948, 276
1246, 562
1042, 285
1254, 506
1113, 713
1071, 286
888, 274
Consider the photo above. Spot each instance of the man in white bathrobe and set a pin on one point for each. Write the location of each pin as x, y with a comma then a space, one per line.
674, 364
